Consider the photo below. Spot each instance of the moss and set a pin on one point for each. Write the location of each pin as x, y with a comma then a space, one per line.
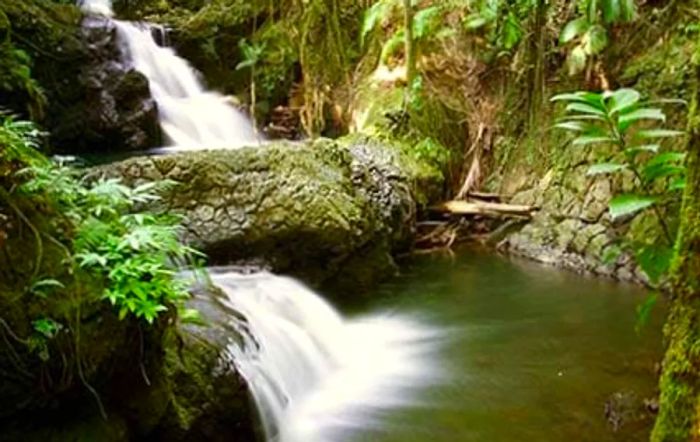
679, 412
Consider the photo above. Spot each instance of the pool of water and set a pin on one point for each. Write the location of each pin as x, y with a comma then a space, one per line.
529, 353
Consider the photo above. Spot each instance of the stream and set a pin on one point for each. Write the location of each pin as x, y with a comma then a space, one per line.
530, 353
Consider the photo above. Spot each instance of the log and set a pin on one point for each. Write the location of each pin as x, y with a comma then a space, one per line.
486, 196
484, 208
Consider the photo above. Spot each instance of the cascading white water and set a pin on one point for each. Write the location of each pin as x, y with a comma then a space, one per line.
97, 7
190, 116
314, 375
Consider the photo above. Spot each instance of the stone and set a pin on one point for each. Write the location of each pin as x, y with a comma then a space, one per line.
307, 209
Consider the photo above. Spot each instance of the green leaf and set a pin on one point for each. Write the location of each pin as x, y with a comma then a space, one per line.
605, 168
475, 21
677, 183
646, 113
633, 151
628, 10
594, 40
611, 10
424, 21
43, 287
622, 205
47, 327
574, 29
654, 260
658, 133
592, 139
376, 13
623, 99
644, 311
575, 126
584, 108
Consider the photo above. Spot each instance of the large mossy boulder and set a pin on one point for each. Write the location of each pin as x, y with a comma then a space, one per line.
316, 210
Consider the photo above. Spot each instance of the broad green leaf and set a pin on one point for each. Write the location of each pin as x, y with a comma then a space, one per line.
628, 10
646, 113
424, 21
656, 171
575, 126
590, 98
611, 10
658, 133
574, 29
591, 139
623, 99
622, 205
584, 108
475, 21
667, 157
594, 40
677, 183
633, 151
511, 32
605, 168
584, 117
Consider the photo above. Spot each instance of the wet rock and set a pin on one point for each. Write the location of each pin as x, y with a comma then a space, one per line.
110, 107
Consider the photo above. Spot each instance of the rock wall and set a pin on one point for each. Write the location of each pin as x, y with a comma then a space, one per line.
323, 210
573, 229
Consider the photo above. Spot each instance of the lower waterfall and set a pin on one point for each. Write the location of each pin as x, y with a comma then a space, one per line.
314, 375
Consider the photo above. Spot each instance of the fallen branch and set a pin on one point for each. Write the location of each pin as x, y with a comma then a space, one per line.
484, 208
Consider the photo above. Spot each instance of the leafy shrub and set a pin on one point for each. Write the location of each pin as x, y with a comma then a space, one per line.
135, 255
620, 119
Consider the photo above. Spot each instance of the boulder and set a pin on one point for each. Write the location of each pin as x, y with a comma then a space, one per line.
113, 109
314, 210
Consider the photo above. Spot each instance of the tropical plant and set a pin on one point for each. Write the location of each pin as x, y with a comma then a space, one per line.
621, 120
500, 21
252, 55
424, 23
589, 32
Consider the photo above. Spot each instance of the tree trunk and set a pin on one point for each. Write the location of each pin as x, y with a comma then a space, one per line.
410, 47
679, 412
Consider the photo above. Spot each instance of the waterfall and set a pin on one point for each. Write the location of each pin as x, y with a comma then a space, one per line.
190, 116
314, 375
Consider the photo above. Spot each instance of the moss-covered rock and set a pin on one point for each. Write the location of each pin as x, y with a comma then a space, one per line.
305, 209
72, 79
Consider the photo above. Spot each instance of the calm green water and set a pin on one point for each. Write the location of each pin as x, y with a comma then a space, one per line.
531, 353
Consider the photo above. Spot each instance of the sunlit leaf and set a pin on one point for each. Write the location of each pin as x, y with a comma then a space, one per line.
574, 29
594, 40
623, 99
576, 61
622, 205
646, 113
605, 168
584, 108
591, 139
658, 133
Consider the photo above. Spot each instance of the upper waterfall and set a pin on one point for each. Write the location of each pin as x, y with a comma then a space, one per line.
97, 7
313, 374
190, 116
